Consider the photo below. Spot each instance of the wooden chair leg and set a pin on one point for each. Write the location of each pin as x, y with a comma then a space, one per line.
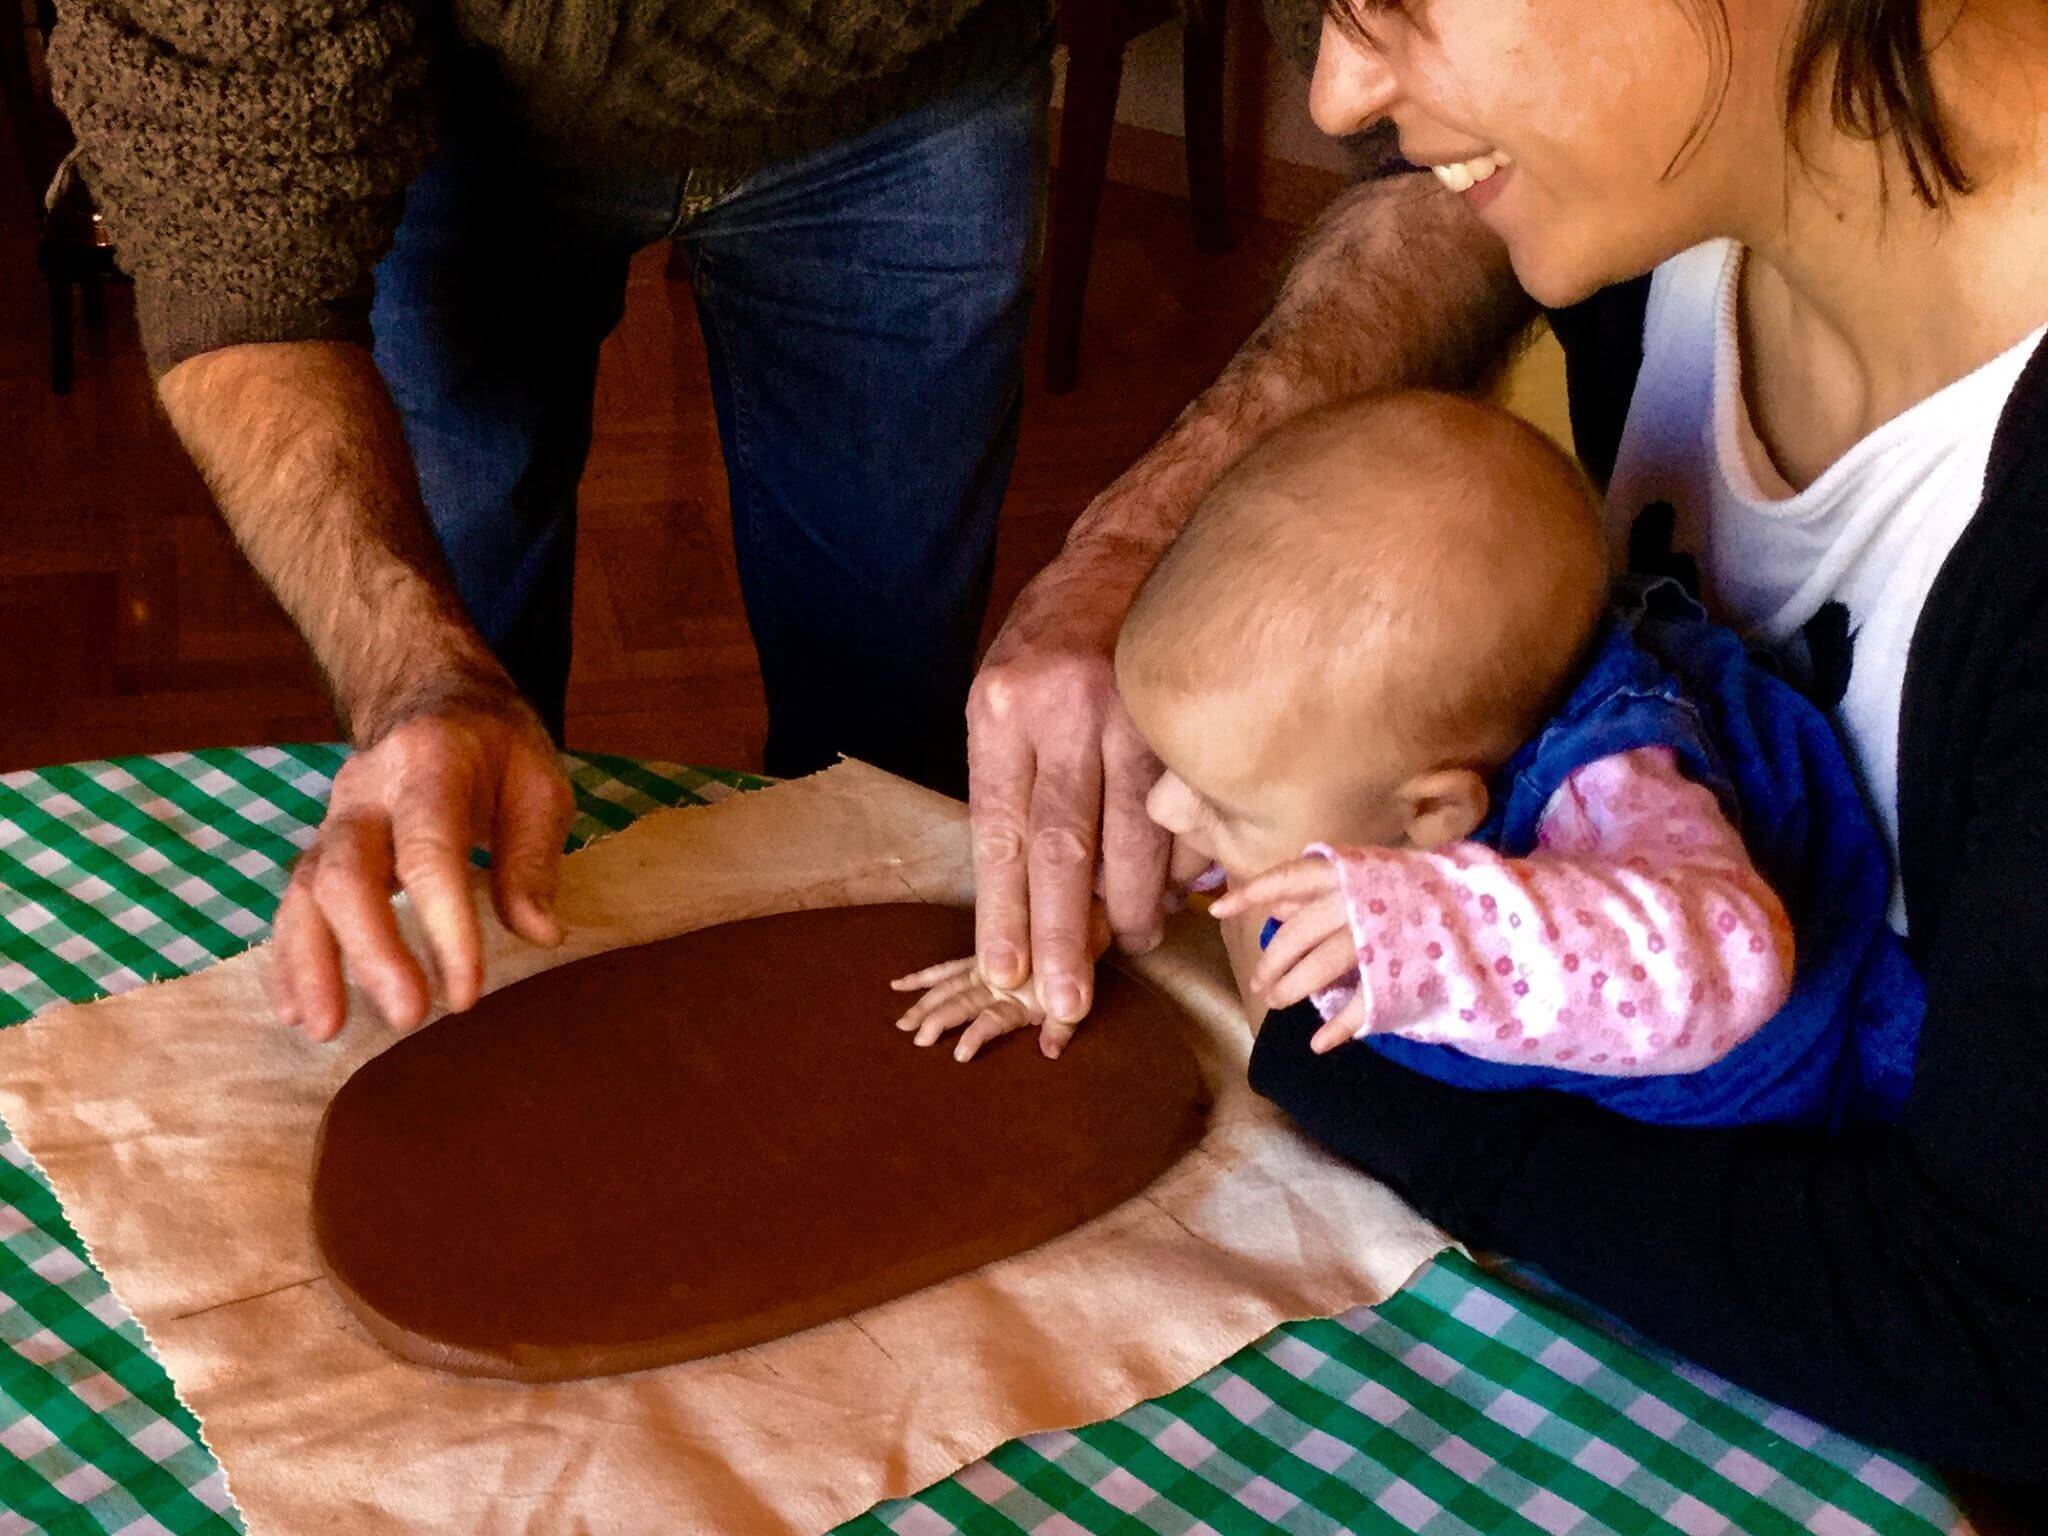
23, 107
60, 335
1202, 104
1095, 70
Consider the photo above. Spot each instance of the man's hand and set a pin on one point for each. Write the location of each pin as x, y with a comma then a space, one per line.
304, 452
404, 815
958, 993
1058, 776
1398, 285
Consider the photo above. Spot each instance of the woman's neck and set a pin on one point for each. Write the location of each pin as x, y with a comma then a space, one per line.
1858, 300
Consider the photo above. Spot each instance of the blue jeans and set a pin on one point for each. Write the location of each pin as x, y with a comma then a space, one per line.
864, 309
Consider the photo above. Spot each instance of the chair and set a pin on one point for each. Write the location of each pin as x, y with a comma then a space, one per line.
1096, 33
72, 249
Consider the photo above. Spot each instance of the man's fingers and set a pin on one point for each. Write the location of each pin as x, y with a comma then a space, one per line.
1066, 806
307, 988
1329, 962
992, 1023
351, 882
932, 975
534, 809
1135, 849
999, 768
1054, 1036
430, 837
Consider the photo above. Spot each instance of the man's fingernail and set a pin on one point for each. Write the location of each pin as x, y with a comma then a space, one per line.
1064, 999
1003, 966
1140, 944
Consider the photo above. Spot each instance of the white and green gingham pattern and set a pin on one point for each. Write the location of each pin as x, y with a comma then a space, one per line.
1461, 1405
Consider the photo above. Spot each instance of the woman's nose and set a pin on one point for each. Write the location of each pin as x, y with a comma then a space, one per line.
1353, 83
1169, 805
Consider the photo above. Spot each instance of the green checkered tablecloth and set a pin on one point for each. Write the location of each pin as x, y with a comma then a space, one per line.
1461, 1405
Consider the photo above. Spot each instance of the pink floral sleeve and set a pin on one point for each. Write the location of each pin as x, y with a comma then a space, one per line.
1636, 939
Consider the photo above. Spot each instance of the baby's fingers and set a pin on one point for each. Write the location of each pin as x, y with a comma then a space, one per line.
1302, 880
945, 995
1349, 1020
998, 1019
954, 1012
932, 975
1301, 934
1329, 962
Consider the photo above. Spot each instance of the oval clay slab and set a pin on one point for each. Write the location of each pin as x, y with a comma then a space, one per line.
703, 1143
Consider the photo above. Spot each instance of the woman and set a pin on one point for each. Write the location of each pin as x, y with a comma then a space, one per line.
1827, 401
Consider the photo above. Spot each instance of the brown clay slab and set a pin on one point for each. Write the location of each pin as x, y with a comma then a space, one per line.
695, 1145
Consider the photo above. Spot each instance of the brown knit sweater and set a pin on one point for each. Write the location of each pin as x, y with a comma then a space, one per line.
251, 156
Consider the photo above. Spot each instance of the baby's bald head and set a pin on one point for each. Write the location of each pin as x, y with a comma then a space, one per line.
1414, 570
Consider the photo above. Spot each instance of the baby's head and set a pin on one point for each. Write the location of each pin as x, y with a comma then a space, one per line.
1358, 626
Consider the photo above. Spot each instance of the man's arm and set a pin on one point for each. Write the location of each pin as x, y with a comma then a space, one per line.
1397, 284
301, 446
250, 158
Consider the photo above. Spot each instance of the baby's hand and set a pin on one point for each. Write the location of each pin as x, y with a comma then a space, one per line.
956, 993
1313, 947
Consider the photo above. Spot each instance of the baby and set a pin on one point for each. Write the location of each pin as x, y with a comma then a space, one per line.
1490, 813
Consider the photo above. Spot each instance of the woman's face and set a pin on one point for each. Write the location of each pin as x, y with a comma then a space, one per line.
1593, 136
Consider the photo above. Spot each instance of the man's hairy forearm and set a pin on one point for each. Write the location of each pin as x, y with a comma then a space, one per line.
1397, 284
302, 448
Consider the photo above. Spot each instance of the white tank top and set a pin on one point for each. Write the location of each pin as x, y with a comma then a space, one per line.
1870, 533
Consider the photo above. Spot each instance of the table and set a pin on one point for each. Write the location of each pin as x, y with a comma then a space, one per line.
1463, 1404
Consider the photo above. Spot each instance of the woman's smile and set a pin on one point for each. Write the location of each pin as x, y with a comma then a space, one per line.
1469, 172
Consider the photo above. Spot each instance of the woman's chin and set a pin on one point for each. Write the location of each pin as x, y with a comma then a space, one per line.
1552, 279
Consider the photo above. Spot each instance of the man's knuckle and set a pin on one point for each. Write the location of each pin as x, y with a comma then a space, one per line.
998, 843
1060, 847
993, 696
432, 864
1055, 688
333, 879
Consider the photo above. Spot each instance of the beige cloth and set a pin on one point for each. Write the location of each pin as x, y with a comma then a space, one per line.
177, 1126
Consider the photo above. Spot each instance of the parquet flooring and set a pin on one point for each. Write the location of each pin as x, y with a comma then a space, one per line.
128, 624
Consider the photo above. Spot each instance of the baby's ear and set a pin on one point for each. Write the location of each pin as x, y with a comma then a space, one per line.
1444, 805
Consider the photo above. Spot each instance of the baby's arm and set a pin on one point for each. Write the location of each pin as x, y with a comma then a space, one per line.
1637, 939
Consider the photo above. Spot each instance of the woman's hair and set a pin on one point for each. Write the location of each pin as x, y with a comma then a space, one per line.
1881, 85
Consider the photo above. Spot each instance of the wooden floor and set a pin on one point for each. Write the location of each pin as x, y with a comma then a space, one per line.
128, 624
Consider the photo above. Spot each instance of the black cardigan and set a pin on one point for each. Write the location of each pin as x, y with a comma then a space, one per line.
1893, 1284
